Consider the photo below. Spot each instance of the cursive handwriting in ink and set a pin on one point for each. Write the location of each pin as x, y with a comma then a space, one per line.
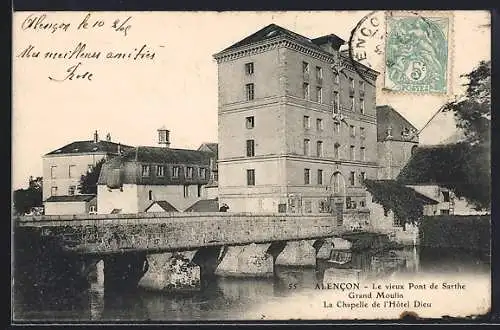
73, 74
124, 27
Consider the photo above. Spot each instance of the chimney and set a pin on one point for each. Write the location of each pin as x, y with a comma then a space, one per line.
164, 137
330, 43
108, 137
96, 137
119, 149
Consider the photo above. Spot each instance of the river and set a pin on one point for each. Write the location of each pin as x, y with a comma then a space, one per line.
250, 298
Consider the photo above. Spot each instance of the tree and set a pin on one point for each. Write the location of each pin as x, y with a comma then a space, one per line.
26, 199
473, 115
473, 111
88, 182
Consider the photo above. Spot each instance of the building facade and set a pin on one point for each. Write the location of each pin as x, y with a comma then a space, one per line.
63, 167
396, 139
75, 204
297, 124
132, 182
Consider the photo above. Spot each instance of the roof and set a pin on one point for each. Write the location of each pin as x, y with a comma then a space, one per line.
209, 146
78, 147
444, 164
166, 206
380, 189
204, 205
387, 117
70, 198
165, 155
269, 32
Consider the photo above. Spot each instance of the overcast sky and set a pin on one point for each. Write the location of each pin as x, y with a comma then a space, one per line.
178, 88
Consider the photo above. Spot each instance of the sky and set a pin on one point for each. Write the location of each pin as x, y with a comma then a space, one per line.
178, 87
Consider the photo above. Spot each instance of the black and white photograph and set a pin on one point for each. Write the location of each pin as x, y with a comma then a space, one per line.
176, 166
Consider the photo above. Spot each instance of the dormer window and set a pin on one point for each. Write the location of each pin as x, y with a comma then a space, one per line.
175, 172
189, 172
145, 170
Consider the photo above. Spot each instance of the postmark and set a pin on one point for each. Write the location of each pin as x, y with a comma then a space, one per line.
416, 53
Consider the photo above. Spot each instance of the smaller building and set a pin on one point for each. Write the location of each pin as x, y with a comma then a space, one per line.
396, 138
212, 188
133, 181
433, 169
75, 204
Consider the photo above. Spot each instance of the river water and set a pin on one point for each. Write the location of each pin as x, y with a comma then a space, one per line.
292, 290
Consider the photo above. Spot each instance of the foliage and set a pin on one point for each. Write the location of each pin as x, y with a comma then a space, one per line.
401, 200
473, 115
473, 111
26, 199
88, 182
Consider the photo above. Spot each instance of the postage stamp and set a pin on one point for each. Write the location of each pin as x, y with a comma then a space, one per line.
416, 54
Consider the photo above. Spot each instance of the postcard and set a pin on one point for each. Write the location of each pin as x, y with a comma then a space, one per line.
230, 166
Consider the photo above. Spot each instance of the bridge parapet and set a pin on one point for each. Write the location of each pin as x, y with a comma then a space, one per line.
112, 233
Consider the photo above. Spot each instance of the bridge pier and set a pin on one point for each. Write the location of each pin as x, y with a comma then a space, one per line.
297, 253
251, 260
171, 271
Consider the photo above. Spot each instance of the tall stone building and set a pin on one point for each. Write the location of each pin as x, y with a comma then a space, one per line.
297, 124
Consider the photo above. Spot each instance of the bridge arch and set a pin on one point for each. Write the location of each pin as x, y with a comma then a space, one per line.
337, 188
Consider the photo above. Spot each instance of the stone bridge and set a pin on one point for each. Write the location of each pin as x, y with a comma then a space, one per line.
176, 250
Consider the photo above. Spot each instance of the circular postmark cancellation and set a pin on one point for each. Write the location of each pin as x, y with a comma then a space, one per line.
410, 49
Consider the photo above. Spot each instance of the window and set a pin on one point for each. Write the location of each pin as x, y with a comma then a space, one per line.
361, 85
145, 170
150, 195
337, 127
352, 153
352, 103
305, 91
189, 172
306, 147
362, 105
199, 190
335, 102
319, 124
202, 173
348, 202
362, 203
352, 178
251, 177
307, 122
250, 122
249, 68
53, 171
305, 68
216, 176
445, 211
362, 153
92, 209
336, 182
186, 191
446, 196
53, 191
282, 208
319, 148
250, 148
362, 177
352, 130
72, 171
175, 171
362, 132
320, 176
319, 74
250, 92
351, 83
319, 94
307, 206
336, 77
336, 152
160, 170
89, 168
71, 190
307, 178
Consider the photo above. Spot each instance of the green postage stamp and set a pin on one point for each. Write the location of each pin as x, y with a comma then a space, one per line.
417, 53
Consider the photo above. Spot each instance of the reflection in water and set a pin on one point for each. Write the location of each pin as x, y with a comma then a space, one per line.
230, 298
